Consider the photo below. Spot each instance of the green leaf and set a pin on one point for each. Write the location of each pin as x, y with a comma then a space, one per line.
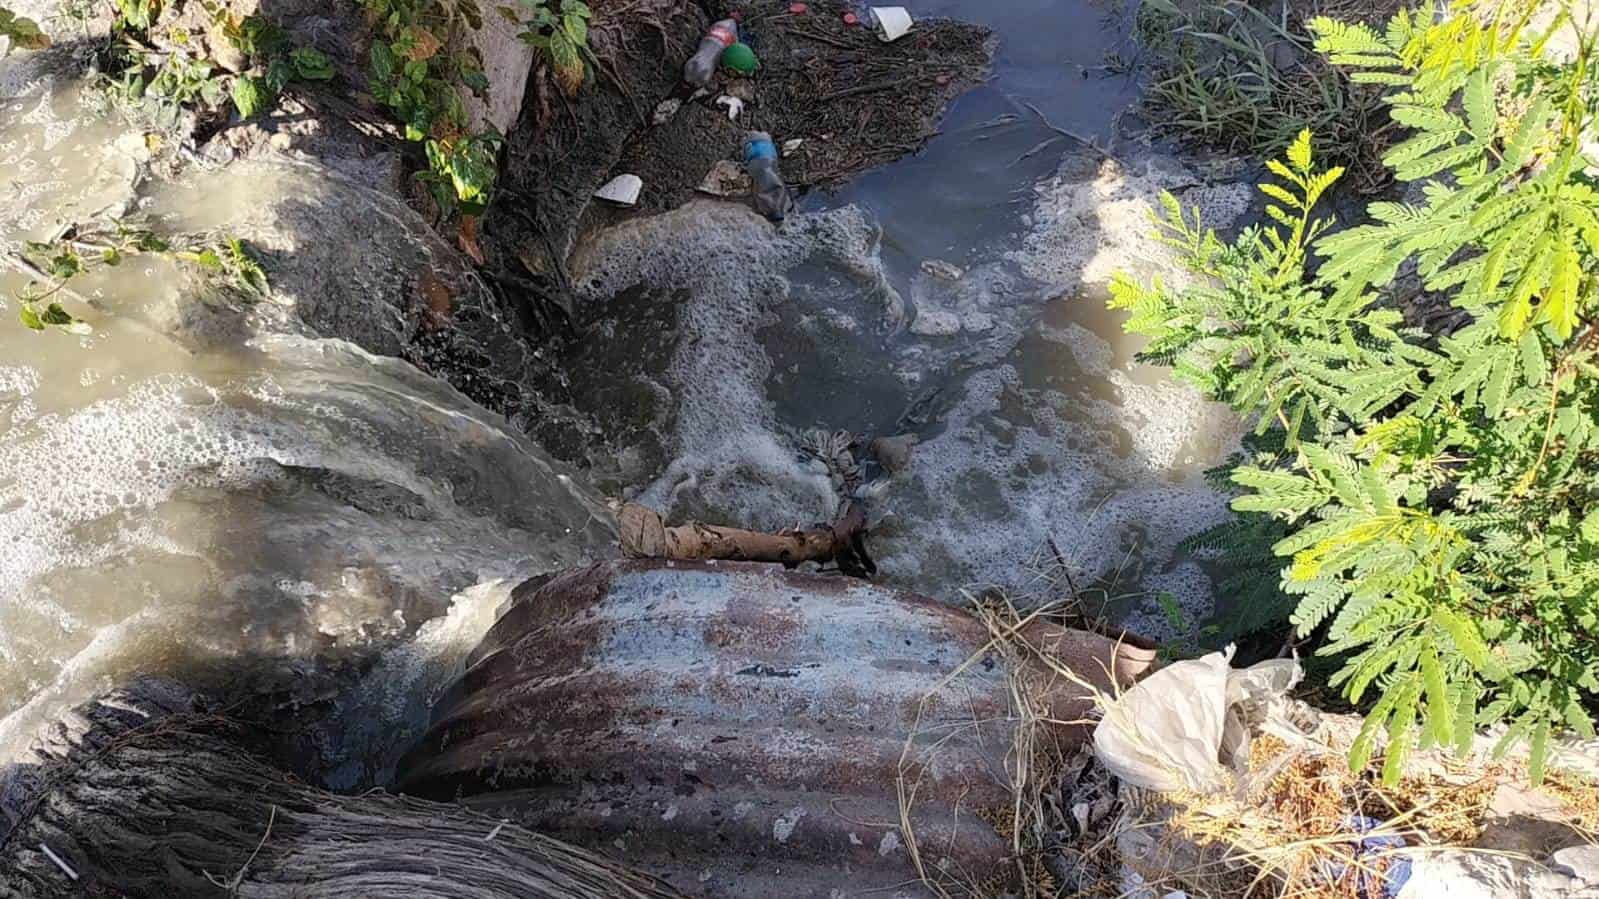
250, 95
1468, 642
1531, 129
1478, 101
23, 34
1440, 714
1560, 303
1299, 152
1465, 720
1538, 753
1360, 748
576, 28
1517, 311
311, 64
30, 318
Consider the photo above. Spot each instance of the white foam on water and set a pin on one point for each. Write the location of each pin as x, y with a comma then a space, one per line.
326, 497
1110, 473
728, 460
1017, 467
389, 709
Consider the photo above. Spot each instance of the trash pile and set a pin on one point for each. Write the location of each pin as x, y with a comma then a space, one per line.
678, 94
721, 52
1209, 781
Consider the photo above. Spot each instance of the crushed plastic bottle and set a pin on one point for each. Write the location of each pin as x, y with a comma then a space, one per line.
702, 65
760, 160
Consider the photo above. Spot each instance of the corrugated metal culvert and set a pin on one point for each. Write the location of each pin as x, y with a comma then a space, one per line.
748, 732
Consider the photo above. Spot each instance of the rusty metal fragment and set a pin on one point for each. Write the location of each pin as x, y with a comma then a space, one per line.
744, 731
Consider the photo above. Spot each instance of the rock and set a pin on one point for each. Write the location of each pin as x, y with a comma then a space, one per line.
349, 261
977, 322
893, 453
1578, 862
726, 179
717, 723
665, 109
935, 323
1464, 874
507, 63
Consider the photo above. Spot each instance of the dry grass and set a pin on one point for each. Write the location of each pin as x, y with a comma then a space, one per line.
1580, 796
1280, 833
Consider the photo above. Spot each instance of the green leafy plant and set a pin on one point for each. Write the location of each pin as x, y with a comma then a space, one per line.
310, 64
1438, 492
418, 77
137, 14
277, 64
253, 35
228, 266
180, 78
559, 31
223, 260
20, 33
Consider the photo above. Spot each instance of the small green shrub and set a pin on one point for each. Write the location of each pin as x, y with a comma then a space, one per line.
226, 265
417, 76
560, 33
1439, 494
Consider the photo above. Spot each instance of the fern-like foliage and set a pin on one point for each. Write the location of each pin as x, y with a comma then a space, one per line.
1439, 499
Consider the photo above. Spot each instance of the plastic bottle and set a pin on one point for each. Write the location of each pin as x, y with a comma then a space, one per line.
760, 160
702, 65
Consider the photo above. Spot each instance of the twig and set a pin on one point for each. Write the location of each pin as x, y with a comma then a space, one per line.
1065, 568
1085, 141
23, 266
239, 877
869, 88
65, 868
823, 39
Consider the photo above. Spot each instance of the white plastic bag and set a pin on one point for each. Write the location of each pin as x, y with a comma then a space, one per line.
1188, 725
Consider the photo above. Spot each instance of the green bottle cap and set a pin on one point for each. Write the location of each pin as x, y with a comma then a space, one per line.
740, 58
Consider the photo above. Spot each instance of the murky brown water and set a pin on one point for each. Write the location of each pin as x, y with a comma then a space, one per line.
269, 496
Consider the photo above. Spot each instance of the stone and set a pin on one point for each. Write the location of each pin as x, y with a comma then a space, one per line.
726, 179
1578, 862
507, 63
935, 323
1465, 874
666, 109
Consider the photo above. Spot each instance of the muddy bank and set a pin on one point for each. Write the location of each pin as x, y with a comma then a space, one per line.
852, 101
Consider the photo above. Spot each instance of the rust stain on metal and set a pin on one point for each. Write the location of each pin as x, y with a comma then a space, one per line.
738, 729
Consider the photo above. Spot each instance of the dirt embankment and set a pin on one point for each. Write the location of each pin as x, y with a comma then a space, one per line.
851, 101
